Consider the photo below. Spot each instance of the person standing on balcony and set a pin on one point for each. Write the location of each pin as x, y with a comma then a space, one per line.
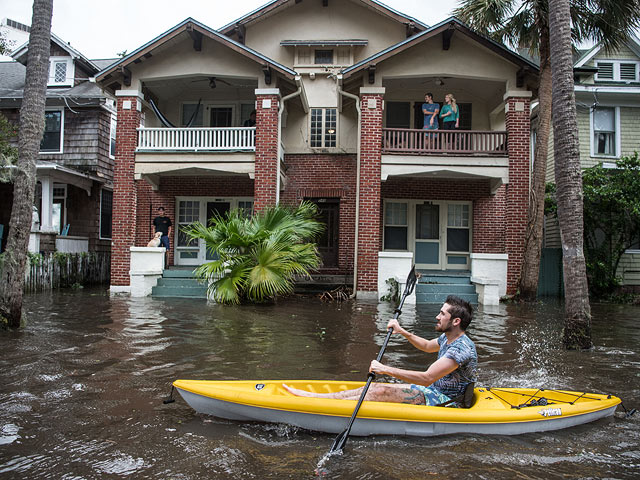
430, 111
450, 116
251, 121
163, 224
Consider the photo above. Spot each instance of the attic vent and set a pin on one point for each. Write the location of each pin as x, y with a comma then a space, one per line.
628, 71
18, 25
605, 71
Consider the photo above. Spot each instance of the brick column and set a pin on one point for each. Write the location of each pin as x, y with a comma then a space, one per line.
124, 189
266, 148
370, 204
517, 114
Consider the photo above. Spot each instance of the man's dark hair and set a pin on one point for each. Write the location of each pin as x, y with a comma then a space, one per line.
428, 94
459, 308
161, 208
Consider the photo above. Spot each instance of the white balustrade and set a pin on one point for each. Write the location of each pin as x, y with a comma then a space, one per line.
197, 139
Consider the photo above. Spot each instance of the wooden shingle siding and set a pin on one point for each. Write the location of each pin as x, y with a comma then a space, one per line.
629, 268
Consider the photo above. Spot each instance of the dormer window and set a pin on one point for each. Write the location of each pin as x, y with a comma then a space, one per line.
323, 57
617, 71
60, 72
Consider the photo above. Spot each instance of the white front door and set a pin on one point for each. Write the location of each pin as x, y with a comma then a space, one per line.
201, 209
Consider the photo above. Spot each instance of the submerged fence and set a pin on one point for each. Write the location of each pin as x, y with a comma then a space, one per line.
56, 270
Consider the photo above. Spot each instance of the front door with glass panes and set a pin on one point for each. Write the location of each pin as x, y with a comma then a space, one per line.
201, 209
437, 232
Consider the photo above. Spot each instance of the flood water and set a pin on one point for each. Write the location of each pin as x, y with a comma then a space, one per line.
82, 388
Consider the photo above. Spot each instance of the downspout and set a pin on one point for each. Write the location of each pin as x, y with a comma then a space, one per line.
280, 110
357, 229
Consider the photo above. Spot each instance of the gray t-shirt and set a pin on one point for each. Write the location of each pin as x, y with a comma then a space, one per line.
463, 351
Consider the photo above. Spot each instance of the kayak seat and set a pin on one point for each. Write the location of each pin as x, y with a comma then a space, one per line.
464, 400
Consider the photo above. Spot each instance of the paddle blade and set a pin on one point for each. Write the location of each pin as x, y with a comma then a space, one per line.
411, 281
339, 442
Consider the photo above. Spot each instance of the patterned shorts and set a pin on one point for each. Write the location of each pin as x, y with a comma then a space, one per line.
432, 396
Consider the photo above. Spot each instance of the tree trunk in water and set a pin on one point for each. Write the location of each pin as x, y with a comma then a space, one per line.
528, 287
577, 328
29, 137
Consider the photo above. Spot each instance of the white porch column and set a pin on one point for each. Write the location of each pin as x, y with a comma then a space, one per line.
46, 215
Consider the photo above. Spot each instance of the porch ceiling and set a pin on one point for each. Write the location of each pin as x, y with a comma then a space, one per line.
493, 169
200, 86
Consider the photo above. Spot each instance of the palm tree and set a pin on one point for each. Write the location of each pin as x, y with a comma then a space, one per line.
24, 183
257, 257
577, 328
520, 23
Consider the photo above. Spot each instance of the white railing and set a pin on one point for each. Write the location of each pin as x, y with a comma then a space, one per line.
197, 139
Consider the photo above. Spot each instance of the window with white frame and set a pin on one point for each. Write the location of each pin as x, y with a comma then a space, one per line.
618, 71
324, 127
458, 228
112, 137
604, 125
188, 213
106, 213
53, 132
395, 225
61, 71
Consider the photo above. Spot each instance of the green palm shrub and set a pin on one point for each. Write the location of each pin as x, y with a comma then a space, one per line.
257, 257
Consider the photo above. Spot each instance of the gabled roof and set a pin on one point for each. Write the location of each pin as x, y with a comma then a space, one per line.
190, 25
270, 8
450, 24
20, 54
633, 43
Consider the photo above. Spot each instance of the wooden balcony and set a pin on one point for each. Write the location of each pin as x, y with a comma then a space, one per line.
216, 139
406, 141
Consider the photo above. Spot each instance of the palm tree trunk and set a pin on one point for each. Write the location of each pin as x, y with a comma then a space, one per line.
29, 136
528, 287
577, 328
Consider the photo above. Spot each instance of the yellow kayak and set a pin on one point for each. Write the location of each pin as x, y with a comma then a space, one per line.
502, 411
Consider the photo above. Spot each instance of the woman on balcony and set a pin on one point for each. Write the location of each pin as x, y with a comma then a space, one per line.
450, 116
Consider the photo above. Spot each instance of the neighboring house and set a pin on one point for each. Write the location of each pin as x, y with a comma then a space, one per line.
338, 89
607, 87
15, 34
74, 192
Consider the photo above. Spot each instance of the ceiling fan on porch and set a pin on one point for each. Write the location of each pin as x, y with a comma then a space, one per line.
212, 81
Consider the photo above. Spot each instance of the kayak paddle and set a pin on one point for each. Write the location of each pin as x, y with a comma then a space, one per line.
341, 439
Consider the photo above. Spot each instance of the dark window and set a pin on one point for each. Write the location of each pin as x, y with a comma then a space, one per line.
51, 139
106, 209
323, 57
457, 239
398, 114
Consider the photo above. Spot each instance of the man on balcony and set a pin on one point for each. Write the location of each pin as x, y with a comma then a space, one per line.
430, 111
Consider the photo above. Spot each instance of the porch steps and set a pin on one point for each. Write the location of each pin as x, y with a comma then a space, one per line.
179, 282
435, 286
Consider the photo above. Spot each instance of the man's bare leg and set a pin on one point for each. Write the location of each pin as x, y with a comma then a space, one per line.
378, 392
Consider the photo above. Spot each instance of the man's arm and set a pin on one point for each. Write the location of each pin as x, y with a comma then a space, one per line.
169, 232
436, 371
429, 346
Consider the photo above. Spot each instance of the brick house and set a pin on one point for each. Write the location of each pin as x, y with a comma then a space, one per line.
337, 88
72, 211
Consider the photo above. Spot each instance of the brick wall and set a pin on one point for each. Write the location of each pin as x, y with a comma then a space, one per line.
266, 151
328, 176
369, 222
517, 191
124, 191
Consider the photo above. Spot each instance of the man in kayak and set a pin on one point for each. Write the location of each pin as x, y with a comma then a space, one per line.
444, 380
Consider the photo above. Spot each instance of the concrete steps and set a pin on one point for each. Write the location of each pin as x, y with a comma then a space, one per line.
435, 286
179, 283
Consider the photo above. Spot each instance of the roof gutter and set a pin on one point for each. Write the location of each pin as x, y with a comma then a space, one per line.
280, 152
357, 222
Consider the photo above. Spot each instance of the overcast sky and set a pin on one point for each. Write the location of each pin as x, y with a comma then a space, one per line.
101, 29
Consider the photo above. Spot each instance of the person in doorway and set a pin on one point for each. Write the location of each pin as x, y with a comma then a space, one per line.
430, 111
445, 379
162, 224
251, 121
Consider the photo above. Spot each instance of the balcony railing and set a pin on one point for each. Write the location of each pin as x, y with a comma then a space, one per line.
197, 139
463, 142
